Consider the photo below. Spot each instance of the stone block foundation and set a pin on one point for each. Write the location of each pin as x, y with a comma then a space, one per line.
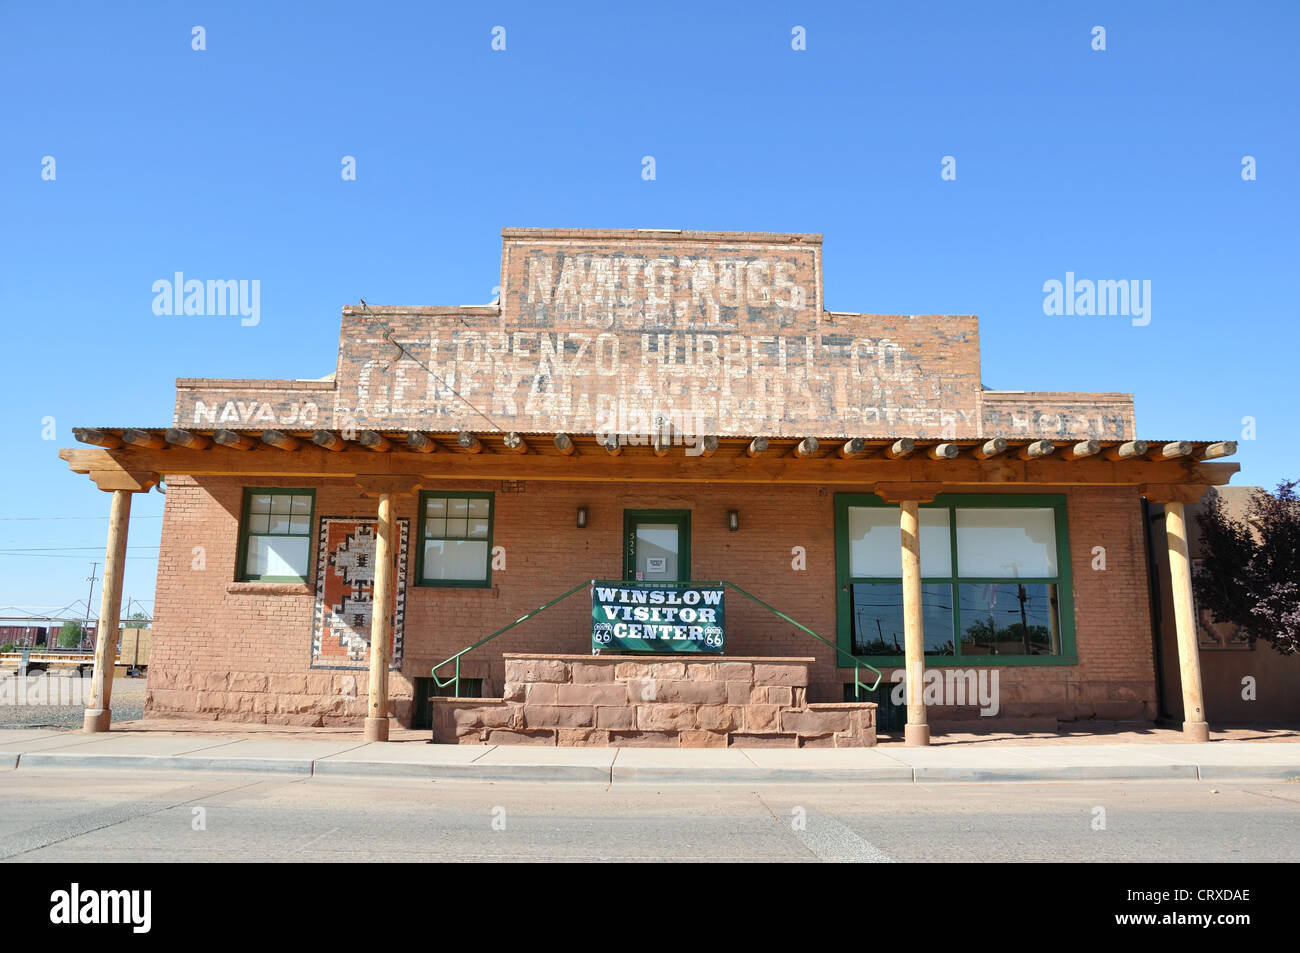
654, 701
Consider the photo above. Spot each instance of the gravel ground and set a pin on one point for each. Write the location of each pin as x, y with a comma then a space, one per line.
31, 706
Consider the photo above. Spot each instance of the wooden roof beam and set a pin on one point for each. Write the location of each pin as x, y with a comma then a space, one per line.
142, 439
97, 438
515, 443
374, 441
468, 442
329, 440
757, 447
942, 451
991, 448
564, 444
1038, 450
420, 443
611, 444
1213, 451
1084, 448
704, 446
183, 438
280, 440
806, 448
1171, 451
852, 448
901, 448
232, 440
1132, 450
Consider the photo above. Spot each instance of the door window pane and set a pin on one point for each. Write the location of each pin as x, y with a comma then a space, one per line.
656, 551
1008, 618
878, 618
876, 542
1007, 542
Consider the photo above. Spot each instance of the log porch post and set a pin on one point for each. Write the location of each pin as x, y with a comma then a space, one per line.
1175, 498
909, 496
381, 624
99, 714
381, 613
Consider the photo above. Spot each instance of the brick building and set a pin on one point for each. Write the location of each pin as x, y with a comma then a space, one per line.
655, 406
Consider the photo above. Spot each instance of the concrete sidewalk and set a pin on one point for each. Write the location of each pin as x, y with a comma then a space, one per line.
348, 755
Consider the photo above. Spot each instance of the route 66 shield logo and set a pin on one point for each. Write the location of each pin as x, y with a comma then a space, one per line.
603, 633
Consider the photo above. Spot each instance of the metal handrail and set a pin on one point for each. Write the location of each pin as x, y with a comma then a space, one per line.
455, 679
858, 664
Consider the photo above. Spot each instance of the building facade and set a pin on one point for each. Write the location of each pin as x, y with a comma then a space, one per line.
654, 406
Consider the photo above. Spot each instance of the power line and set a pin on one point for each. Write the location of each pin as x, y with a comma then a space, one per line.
401, 348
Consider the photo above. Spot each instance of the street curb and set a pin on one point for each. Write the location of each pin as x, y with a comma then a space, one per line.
1241, 772
1063, 772
333, 767
651, 774
463, 772
151, 762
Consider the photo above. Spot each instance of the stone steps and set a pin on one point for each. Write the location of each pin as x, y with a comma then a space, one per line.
658, 701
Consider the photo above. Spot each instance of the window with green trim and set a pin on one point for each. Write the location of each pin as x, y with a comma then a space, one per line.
455, 539
275, 534
995, 579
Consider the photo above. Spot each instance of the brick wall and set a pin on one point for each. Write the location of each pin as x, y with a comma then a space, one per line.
1060, 416
241, 651
612, 330
253, 404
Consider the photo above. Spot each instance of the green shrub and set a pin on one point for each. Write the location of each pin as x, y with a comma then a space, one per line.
70, 635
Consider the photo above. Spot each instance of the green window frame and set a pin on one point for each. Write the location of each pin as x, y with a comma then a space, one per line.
1063, 580
430, 532
255, 523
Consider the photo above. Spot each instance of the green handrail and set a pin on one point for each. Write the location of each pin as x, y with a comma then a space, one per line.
455, 679
858, 664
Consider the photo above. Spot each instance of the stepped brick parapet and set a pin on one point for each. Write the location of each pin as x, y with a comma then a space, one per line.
654, 701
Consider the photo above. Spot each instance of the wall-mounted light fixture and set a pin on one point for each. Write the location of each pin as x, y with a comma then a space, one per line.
582, 517
733, 520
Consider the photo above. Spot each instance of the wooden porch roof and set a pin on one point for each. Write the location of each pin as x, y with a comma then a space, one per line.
434, 455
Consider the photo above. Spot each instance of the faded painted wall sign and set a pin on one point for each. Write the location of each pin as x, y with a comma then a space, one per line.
628, 334
661, 284
637, 333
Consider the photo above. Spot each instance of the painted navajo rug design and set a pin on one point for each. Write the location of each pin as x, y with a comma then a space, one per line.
345, 588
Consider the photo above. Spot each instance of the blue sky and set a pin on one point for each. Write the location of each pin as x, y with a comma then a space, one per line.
226, 163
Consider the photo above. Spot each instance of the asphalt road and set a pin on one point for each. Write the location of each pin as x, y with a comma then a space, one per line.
66, 815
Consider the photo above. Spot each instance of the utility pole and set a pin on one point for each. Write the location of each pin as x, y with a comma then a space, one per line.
89, 594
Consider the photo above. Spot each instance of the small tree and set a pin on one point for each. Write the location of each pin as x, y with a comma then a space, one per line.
1250, 570
70, 635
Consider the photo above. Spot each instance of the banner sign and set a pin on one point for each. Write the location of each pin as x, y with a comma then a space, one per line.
656, 617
